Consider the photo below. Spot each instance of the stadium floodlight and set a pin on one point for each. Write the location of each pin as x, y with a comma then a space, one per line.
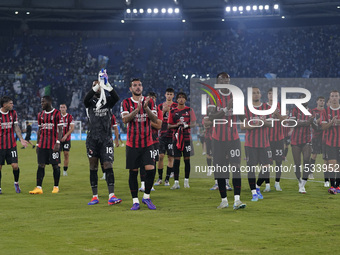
283, 17
276, 6
127, 2
176, 10
128, 10
163, 10
240, 8
141, 10
248, 8
234, 8
183, 20
16, 12
149, 10
338, 7
170, 10
134, 10
228, 9
222, 20
260, 7
28, 13
122, 21
254, 7
155, 10
266, 7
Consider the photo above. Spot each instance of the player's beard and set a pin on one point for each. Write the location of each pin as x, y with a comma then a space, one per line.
137, 94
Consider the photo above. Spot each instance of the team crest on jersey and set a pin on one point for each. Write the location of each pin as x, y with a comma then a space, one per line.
181, 119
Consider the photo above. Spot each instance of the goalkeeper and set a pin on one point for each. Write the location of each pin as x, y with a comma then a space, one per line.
99, 144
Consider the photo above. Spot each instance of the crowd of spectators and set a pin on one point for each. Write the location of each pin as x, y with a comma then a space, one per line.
69, 64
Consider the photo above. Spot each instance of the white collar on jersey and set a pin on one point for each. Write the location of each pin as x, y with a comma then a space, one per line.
135, 100
4, 112
334, 109
50, 111
64, 115
223, 93
258, 105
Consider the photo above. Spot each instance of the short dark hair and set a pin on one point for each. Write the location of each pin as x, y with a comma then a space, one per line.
270, 90
152, 94
182, 94
48, 98
334, 91
5, 99
320, 97
222, 73
170, 90
134, 79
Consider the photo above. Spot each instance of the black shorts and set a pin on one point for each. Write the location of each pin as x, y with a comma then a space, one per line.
317, 145
138, 157
255, 156
277, 148
202, 139
333, 153
187, 152
48, 156
8, 155
28, 138
166, 146
208, 146
65, 146
287, 140
156, 151
225, 153
324, 151
100, 149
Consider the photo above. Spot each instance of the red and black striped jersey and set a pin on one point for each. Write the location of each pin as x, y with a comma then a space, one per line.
186, 116
165, 132
139, 134
154, 130
300, 135
207, 131
275, 132
333, 132
7, 121
256, 137
67, 120
48, 123
225, 132
317, 115
113, 121
286, 131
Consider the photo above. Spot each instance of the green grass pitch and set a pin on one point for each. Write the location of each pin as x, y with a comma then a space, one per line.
186, 221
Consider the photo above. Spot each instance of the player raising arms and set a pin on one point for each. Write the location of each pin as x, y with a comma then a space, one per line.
181, 120
8, 146
68, 128
138, 112
276, 141
99, 143
330, 120
49, 135
165, 139
257, 145
226, 145
301, 144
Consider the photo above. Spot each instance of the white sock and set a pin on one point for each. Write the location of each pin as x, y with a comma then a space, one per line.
216, 182
177, 182
277, 183
227, 181
257, 186
267, 185
237, 198
186, 180
16, 182
39, 187
96, 196
56, 187
225, 199
303, 183
111, 195
142, 185
135, 200
253, 192
146, 196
